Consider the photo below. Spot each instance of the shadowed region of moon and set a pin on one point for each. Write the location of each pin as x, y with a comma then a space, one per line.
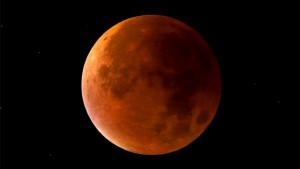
151, 85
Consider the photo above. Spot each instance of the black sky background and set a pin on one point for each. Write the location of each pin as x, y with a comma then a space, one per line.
43, 48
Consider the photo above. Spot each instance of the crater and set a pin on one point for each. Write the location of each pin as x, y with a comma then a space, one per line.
123, 82
159, 127
202, 117
104, 71
120, 88
182, 127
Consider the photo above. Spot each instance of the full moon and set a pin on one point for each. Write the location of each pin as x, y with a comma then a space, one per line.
151, 85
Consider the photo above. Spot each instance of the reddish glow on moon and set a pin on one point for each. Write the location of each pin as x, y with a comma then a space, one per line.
151, 85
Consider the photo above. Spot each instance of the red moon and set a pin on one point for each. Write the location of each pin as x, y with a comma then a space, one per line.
151, 85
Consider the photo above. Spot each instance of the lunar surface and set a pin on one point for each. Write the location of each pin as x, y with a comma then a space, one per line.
151, 85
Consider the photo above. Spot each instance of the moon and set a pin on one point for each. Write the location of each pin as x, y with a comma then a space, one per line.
151, 85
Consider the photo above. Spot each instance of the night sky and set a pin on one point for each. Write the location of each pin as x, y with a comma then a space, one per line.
44, 45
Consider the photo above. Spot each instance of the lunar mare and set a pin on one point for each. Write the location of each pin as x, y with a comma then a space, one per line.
151, 85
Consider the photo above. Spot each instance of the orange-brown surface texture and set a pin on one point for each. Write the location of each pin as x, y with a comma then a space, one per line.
151, 85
